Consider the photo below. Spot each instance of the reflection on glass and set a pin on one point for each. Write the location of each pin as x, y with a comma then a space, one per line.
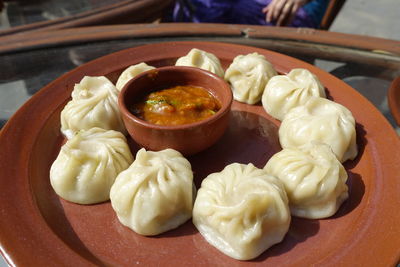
25, 12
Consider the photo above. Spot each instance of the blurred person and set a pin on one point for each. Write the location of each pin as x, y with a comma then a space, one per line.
293, 13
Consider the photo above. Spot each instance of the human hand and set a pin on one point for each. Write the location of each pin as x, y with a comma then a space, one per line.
282, 11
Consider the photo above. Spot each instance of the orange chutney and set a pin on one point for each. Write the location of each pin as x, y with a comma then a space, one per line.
177, 105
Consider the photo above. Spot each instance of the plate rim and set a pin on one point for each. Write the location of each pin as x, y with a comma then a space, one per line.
7, 133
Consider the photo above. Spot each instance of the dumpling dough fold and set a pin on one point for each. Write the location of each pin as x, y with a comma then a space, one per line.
155, 194
94, 104
284, 92
203, 60
88, 164
320, 120
248, 75
130, 73
315, 181
242, 211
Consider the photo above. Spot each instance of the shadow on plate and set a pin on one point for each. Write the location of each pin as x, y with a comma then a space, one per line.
51, 207
250, 138
356, 193
361, 144
299, 231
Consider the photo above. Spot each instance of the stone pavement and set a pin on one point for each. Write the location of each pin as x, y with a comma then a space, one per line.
379, 18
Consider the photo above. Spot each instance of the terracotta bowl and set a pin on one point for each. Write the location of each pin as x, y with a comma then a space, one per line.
190, 138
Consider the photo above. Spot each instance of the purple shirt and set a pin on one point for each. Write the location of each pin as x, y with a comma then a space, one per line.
237, 12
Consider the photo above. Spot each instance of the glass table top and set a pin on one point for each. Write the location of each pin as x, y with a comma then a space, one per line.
21, 13
30, 63
25, 72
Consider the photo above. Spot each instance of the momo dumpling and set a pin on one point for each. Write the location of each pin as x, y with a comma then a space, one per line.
284, 92
94, 104
320, 120
248, 75
88, 164
203, 60
314, 179
155, 194
242, 211
130, 73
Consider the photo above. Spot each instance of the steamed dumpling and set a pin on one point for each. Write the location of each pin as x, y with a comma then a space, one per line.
88, 164
321, 120
130, 73
284, 92
203, 60
242, 211
94, 104
155, 194
248, 75
315, 181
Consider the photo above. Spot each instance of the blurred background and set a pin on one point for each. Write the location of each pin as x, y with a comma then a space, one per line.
364, 17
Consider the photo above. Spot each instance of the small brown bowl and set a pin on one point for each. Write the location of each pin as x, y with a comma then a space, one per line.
186, 138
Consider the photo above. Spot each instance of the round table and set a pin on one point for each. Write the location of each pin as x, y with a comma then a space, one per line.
29, 62
367, 64
33, 16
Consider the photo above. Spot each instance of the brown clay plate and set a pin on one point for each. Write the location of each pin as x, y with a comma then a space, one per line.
37, 228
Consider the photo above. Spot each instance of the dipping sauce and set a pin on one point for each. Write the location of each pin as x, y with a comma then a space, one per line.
177, 105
